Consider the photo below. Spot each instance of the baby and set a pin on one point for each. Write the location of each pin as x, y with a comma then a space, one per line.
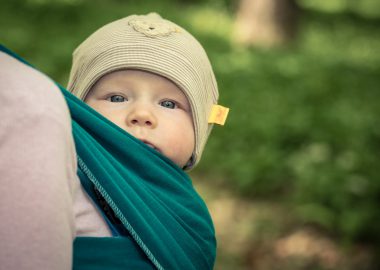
153, 79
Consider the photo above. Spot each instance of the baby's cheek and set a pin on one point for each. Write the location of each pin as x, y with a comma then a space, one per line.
187, 145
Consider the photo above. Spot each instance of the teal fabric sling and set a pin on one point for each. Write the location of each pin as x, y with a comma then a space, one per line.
164, 224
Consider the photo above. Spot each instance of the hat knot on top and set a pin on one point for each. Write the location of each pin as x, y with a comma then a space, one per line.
151, 27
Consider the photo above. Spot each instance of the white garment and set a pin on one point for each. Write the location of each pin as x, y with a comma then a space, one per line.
43, 207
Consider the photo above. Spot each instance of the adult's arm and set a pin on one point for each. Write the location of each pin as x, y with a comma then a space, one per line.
37, 171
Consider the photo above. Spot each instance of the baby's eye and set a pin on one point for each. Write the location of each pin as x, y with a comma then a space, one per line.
168, 104
116, 98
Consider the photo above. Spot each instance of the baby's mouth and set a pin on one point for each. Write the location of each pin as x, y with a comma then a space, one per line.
150, 145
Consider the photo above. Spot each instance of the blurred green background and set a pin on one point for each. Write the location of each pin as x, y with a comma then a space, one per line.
292, 179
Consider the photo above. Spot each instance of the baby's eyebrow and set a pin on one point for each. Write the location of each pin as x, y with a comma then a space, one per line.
115, 90
177, 98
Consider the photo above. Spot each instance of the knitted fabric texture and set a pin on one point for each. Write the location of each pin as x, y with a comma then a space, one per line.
156, 45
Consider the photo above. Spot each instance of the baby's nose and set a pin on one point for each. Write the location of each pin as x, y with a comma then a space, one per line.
142, 117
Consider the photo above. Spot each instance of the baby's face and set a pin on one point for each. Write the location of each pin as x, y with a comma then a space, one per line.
149, 107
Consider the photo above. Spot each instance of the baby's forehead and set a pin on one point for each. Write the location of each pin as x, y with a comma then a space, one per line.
136, 79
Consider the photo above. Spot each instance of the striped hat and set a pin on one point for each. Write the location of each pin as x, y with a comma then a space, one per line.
153, 44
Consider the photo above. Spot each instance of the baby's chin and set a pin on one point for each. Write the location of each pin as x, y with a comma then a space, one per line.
179, 163
182, 164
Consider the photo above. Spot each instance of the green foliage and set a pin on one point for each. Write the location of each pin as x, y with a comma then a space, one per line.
303, 126
363, 8
304, 123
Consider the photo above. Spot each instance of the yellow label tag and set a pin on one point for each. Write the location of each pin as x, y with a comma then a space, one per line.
218, 115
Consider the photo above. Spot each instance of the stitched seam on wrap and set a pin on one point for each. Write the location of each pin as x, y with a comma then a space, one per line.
119, 214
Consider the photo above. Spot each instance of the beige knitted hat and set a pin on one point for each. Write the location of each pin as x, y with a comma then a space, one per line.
152, 44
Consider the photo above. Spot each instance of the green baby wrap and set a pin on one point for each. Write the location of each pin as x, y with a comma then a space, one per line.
167, 223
